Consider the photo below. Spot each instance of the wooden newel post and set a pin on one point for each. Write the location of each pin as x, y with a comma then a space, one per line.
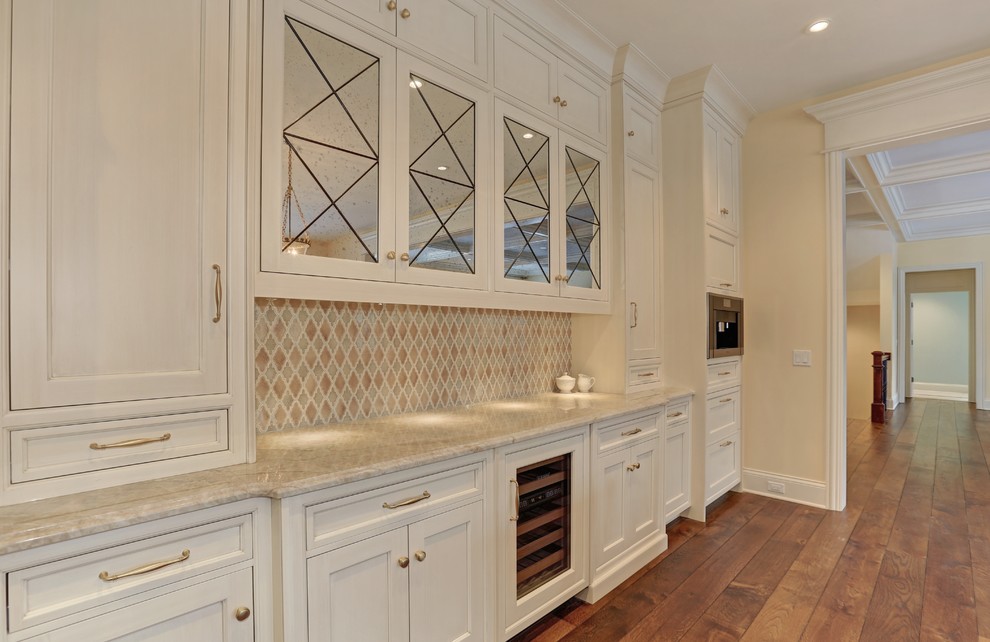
878, 410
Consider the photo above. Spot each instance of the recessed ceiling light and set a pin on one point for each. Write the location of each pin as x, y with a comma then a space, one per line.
442, 168
415, 83
818, 26
527, 135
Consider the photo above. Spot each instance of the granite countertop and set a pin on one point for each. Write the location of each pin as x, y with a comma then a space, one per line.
298, 461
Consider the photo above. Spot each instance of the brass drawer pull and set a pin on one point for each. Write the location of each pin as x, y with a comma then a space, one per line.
141, 570
630, 433
646, 374
725, 443
515, 518
407, 502
635, 314
633, 467
218, 293
676, 414
131, 442
726, 400
725, 285
725, 374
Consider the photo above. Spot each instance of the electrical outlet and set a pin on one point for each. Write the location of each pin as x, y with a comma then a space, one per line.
775, 487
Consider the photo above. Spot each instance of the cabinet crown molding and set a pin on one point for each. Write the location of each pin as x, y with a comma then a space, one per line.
711, 85
635, 68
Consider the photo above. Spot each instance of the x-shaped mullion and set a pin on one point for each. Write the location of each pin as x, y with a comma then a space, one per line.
527, 242
443, 134
527, 168
582, 189
584, 255
443, 224
333, 91
333, 201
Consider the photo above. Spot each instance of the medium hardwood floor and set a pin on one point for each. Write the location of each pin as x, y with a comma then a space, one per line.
909, 558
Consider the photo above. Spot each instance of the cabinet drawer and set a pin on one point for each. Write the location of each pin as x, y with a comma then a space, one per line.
676, 413
338, 518
55, 451
44, 592
721, 260
628, 432
723, 375
722, 466
644, 375
723, 415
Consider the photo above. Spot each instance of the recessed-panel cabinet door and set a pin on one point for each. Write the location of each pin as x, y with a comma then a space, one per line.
361, 591
644, 490
455, 31
447, 576
118, 200
642, 258
583, 102
207, 611
610, 499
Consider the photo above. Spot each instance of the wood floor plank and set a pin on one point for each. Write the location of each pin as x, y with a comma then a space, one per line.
732, 613
686, 604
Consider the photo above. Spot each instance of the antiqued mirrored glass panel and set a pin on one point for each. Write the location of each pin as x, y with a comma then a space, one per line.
441, 178
526, 203
330, 133
582, 176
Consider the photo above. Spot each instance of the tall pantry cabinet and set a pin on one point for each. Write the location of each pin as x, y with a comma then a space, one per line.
704, 119
125, 351
624, 350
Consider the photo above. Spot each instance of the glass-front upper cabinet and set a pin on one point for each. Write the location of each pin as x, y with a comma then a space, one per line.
442, 194
550, 232
379, 172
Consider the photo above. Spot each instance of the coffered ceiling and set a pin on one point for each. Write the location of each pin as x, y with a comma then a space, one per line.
929, 190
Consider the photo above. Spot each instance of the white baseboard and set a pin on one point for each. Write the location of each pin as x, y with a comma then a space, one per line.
796, 489
944, 391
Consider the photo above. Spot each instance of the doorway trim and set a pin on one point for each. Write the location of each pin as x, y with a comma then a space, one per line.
954, 99
978, 348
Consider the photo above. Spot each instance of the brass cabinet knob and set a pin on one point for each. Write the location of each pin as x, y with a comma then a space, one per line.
404, 256
403, 562
556, 99
563, 103
405, 13
242, 613
725, 211
630, 133
391, 5
391, 255
420, 556
633, 467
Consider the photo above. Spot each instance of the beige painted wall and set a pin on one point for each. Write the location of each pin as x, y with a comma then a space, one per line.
862, 338
784, 263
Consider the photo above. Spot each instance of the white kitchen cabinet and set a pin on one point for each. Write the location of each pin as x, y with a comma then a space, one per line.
724, 373
204, 575
626, 500
553, 230
562, 552
721, 174
642, 261
389, 170
424, 582
723, 414
723, 464
455, 31
677, 469
531, 73
721, 260
126, 247
396, 558
640, 129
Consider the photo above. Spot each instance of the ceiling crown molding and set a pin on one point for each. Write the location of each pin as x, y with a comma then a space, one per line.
633, 67
935, 101
711, 85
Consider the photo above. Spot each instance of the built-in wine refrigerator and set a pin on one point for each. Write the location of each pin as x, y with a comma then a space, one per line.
543, 537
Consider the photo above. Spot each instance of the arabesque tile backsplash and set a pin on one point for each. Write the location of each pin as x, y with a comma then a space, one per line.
321, 362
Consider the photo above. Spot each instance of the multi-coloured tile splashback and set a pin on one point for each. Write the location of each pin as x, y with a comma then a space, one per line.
321, 362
